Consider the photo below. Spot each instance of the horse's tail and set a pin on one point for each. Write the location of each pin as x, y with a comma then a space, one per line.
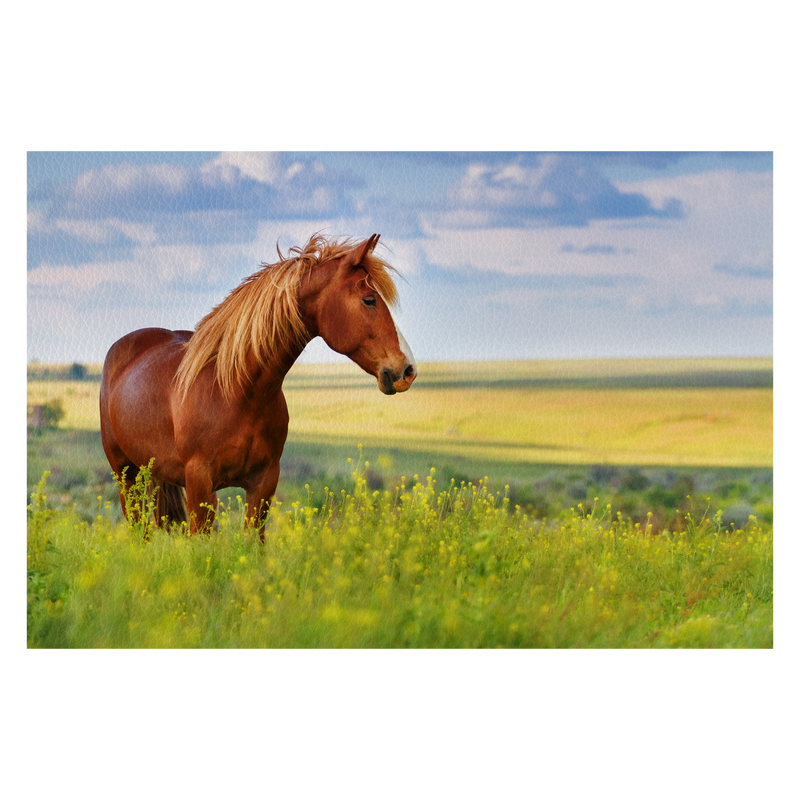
170, 502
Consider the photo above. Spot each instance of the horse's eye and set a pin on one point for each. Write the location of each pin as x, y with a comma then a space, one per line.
370, 300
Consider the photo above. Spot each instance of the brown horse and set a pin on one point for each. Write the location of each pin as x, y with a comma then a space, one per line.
209, 407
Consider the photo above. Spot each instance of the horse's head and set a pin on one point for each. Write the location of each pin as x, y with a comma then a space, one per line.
341, 302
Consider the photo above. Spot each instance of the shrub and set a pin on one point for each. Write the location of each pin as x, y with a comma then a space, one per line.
53, 412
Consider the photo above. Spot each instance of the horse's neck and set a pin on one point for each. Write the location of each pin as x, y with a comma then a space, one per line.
268, 380
312, 286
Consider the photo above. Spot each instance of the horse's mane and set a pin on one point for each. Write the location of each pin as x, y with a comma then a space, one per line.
262, 315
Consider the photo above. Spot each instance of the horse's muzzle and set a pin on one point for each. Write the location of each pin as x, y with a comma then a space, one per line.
391, 382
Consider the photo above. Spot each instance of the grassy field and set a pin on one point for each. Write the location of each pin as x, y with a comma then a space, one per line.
676, 412
586, 504
628, 412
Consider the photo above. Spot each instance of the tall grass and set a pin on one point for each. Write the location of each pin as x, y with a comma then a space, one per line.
414, 566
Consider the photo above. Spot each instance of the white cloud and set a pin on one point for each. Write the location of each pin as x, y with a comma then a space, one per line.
262, 167
508, 185
94, 231
559, 188
124, 178
147, 270
183, 263
407, 256
37, 221
83, 278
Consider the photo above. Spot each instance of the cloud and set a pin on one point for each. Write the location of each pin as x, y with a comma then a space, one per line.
146, 271
125, 190
262, 167
699, 262
558, 189
267, 184
746, 270
84, 278
590, 249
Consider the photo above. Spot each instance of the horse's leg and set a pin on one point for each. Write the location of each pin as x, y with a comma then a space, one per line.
260, 496
201, 499
126, 472
121, 465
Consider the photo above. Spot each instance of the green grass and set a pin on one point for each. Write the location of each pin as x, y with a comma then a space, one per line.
414, 566
604, 504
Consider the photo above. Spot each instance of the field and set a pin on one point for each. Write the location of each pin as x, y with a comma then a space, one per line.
584, 504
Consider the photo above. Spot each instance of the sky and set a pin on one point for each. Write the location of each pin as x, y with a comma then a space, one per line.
502, 255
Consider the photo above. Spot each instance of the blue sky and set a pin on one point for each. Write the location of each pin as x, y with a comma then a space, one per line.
503, 255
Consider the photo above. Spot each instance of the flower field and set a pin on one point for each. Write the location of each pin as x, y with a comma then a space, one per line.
415, 566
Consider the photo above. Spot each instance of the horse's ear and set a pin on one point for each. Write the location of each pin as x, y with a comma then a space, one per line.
357, 254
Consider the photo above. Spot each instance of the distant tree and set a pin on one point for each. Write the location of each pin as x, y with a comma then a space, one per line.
77, 372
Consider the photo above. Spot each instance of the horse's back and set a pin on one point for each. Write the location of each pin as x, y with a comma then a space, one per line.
125, 351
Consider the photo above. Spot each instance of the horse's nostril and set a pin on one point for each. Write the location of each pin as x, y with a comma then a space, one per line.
409, 371
387, 381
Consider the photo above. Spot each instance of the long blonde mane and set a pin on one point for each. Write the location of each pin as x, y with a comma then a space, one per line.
262, 315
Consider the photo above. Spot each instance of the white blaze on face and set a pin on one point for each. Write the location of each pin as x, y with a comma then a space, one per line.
405, 349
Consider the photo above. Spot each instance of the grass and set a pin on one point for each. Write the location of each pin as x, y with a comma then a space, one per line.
506, 419
80, 399
572, 504
415, 566
641, 434
683, 412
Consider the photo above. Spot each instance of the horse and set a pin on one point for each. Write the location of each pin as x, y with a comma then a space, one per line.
208, 405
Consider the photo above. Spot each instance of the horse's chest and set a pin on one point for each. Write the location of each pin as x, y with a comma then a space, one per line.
265, 444
257, 445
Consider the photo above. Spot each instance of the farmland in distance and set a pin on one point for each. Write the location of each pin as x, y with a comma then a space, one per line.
558, 432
